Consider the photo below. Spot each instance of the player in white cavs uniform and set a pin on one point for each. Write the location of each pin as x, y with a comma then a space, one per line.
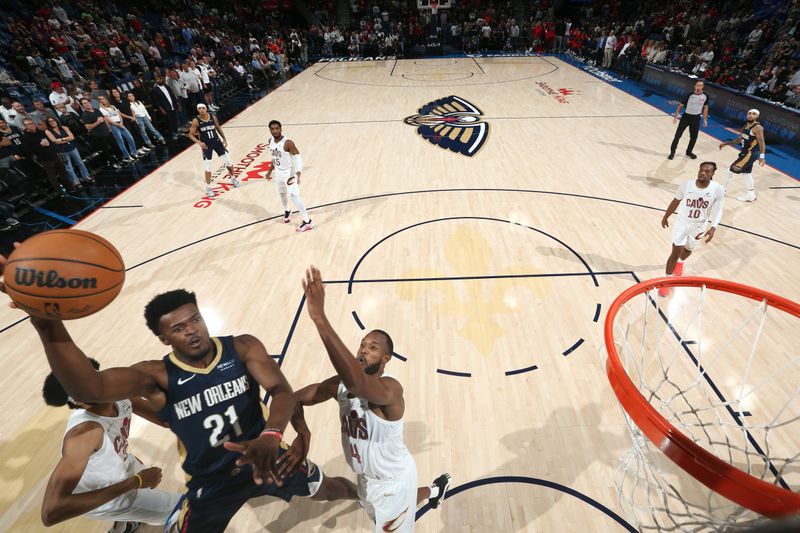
287, 165
371, 408
97, 477
698, 202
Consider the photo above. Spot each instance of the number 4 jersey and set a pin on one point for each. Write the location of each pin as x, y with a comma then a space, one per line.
206, 407
698, 206
373, 447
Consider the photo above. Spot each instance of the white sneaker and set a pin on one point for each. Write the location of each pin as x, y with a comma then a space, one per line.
749, 197
210, 192
235, 182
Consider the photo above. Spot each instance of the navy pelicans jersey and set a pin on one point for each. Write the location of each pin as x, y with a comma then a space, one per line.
208, 130
749, 153
206, 407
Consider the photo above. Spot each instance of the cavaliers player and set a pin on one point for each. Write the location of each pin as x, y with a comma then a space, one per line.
207, 390
698, 202
371, 408
753, 147
206, 132
97, 477
287, 165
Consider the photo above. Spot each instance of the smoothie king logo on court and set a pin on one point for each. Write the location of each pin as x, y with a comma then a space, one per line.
559, 94
255, 173
451, 123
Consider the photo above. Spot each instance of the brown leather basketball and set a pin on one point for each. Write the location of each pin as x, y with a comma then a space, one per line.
64, 274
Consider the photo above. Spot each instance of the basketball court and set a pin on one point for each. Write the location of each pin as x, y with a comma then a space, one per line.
491, 258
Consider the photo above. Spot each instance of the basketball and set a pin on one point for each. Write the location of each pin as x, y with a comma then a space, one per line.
64, 274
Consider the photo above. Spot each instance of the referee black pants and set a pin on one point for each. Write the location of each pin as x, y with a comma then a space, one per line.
687, 121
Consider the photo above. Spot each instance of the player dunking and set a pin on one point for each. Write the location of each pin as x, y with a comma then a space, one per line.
698, 202
752, 139
97, 476
207, 390
206, 132
287, 165
371, 408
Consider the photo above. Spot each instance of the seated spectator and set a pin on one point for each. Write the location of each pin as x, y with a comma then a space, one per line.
143, 121
10, 144
62, 138
18, 116
7, 215
36, 146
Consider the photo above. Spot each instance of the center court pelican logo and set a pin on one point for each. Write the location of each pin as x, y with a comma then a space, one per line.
451, 123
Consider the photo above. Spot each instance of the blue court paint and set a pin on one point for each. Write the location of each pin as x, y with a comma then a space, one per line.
358, 321
573, 347
453, 373
597, 313
521, 370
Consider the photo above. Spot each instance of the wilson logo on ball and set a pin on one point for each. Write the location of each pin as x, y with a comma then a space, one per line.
28, 277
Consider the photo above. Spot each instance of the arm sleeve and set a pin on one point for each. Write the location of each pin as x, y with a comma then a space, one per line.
297, 159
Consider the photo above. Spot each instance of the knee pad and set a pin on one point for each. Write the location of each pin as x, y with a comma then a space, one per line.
207, 165
226, 158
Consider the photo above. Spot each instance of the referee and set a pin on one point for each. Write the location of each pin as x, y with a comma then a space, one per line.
695, 103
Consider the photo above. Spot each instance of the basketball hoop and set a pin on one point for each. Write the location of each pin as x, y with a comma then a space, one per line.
671, 399
434, 7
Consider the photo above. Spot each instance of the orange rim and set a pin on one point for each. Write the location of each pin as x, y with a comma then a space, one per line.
736, 485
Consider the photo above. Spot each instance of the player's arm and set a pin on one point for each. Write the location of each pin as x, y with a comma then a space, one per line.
716, 215
146, 409
297, 452
297, 159
730, 142
673, 205
705, 114
318, 392
79, 378
219, 131
262, 452
371, 388
762, 146
59, 502
193, 132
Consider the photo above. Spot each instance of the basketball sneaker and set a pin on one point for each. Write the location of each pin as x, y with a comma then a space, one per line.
663, 291
306, 226
678, 269
235, 182
749, 197
286, 217
443, 483
210, 192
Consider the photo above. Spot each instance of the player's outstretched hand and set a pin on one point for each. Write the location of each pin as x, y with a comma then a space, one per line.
262, 454
294, 457
315, 293
151, 477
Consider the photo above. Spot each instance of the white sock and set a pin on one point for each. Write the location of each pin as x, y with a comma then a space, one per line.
748, 179
727, 179
301, 207
434, 490
284, 201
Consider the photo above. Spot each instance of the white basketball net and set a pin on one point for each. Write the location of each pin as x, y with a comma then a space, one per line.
740, 368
